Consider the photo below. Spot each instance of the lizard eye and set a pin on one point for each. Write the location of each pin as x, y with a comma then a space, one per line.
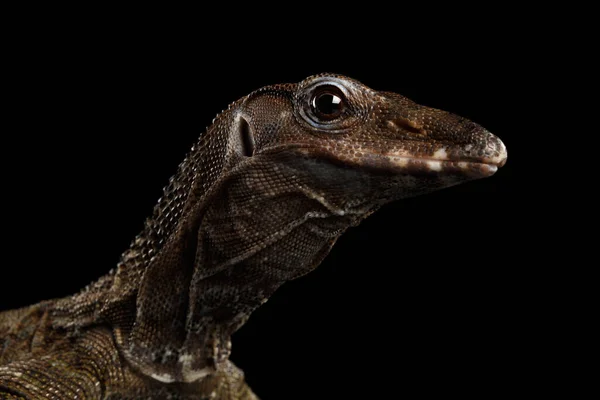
327, 103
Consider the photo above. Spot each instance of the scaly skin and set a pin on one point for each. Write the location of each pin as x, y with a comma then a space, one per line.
260, 200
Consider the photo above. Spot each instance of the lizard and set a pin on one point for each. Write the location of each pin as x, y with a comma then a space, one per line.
259, 200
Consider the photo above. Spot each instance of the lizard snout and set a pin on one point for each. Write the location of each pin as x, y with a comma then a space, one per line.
500, 155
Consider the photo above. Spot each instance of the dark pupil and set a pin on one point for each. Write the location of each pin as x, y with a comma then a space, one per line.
328, 104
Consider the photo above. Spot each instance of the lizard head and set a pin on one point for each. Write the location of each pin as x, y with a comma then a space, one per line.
378, 145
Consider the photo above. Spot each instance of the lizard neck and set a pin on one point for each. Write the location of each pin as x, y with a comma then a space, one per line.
226, 258
190, 185
158, 266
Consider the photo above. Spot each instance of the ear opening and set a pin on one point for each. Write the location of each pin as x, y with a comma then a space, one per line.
246, 138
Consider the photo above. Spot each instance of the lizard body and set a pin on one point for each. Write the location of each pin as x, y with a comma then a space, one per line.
260, 200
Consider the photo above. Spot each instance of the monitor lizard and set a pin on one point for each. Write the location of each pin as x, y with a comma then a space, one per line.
259, 200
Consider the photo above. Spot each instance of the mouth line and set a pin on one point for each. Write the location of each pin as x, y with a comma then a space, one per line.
433, 165
434, 161
403, 164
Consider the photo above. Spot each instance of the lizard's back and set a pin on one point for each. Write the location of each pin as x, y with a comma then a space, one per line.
22, 332
39, 361
44, 363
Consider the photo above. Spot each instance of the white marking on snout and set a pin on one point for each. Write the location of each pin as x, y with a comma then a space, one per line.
434, 165
440, 154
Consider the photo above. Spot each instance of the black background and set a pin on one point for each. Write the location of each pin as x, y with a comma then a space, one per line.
426, 296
